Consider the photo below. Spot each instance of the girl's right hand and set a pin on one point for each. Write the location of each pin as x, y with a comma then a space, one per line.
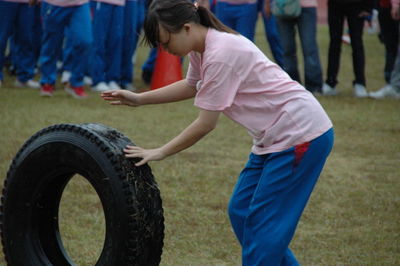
121, 97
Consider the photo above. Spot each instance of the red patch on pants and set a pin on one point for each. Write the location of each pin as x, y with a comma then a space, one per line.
299, 151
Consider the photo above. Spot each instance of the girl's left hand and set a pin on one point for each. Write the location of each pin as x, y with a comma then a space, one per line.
146, 155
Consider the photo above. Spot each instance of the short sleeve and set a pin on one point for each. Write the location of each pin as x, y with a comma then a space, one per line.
193, 73
218, 88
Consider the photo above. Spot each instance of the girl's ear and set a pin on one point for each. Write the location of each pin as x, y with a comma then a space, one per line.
187, 27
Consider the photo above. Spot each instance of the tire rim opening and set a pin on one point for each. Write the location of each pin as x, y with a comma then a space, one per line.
81, 221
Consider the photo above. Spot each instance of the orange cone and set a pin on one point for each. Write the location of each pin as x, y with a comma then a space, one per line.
167, 70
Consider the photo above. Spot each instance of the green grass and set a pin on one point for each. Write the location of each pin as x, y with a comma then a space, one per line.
352, 217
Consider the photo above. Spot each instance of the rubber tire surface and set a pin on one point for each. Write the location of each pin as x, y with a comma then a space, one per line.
35, 183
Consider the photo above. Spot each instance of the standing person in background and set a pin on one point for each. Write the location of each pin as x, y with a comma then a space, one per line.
271, 31
129, 43
392, 89
355, 12
17, 19
306, 24
56, 17
105, 66
389, 35
239, 15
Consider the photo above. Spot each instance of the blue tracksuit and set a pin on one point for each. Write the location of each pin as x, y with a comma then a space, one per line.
18, 20
55, 20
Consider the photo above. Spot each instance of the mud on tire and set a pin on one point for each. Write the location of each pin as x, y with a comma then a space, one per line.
35, 183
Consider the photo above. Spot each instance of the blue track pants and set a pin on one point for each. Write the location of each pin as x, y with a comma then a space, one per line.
129, 42
55, 20
107, 32
17, 20
270, 196
242, 17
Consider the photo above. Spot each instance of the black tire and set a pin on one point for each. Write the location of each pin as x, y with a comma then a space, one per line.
35, 183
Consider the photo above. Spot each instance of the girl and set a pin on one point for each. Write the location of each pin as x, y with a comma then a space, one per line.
228, 74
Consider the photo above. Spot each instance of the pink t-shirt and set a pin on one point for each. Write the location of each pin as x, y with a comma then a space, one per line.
235, 77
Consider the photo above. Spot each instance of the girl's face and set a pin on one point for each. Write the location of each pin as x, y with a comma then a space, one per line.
178, 43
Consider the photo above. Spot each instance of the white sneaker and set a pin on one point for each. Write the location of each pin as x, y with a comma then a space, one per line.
386, 91
65, 76
360, 91
30, 84
87, 81
129, 87
101, 86
328, 90
113, 85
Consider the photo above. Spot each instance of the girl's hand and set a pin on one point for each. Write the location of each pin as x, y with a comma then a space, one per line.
121, 97
146, 155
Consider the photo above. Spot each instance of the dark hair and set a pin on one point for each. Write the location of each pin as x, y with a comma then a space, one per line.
173, 14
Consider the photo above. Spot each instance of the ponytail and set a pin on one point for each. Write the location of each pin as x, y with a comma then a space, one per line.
173, 14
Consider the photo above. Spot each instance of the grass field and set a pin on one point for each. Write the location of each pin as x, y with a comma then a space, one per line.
353, 215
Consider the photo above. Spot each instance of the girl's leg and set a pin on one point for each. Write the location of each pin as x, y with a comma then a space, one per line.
243, 193
279, 199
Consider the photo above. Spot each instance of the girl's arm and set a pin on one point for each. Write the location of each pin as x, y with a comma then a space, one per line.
177, 91
205, 122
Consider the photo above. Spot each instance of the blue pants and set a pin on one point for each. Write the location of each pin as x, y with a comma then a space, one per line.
55, 20
129, 42
17, 19
307, 27
107, 33
242, 18
271, 31
270, 196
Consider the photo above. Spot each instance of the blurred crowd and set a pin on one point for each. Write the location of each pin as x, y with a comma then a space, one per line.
92, 44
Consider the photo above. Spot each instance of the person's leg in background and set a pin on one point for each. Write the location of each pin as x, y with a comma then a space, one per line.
8, 12
24, 39
101, 22
287, 32
336, 24
129, 44
390, 38
226, 13
307, 26
54, 21
80, 29
246, 20
113, 50
271, 32
356, 26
